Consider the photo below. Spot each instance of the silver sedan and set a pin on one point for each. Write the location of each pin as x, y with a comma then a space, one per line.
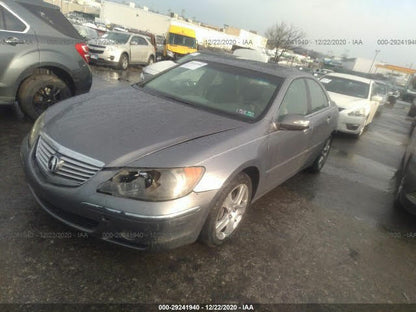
181, 156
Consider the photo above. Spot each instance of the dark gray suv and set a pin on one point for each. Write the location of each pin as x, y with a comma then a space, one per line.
43, 59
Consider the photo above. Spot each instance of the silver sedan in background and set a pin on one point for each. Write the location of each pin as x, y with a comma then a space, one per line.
181, 156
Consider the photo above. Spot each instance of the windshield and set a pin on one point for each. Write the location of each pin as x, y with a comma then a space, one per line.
182, 40
346, 86
116, 37
241, 93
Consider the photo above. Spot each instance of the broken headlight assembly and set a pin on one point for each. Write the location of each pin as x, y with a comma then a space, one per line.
153, 184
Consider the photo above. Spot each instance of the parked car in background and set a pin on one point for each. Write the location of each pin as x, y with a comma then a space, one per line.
357, 99
381, 89
100, 28
86, 32
409, 92
319, 72
43, 59
121, 49
149, 36
406, 178
393, 93
181, 156
160, 46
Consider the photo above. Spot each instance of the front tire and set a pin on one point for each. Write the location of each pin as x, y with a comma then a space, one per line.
123, 63
228, 211
41, 91
151, 60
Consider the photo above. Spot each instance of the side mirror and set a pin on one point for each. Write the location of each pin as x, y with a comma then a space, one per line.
292, 122
377, 98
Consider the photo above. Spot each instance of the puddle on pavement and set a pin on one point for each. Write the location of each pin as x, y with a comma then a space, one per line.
360, 169
132, 75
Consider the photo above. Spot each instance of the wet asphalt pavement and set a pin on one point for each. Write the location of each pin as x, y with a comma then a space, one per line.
332, 237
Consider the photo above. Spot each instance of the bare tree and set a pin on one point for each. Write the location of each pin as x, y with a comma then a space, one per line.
283, 37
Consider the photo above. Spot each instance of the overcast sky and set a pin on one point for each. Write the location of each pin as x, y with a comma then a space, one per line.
366, 20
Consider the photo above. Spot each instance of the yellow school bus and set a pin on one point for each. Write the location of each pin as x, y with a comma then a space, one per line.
179, 42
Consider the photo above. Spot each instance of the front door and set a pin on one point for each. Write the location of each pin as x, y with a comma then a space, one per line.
287, 148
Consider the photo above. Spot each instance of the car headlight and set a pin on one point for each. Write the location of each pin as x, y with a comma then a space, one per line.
153, 184
37, 126
170, 53
357, 112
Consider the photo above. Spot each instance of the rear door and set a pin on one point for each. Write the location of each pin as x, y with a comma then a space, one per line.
19, 48
287, 148
139, 49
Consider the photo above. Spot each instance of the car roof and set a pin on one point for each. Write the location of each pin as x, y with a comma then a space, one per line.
351, 77
39, 3
269, 68
127, 33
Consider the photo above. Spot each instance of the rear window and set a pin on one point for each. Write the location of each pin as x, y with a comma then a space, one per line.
54, 18
10, 22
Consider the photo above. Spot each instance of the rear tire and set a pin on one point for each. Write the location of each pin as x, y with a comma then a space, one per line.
320, 161
228, 211
41, 91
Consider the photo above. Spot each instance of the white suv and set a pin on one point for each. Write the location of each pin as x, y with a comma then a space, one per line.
121, 49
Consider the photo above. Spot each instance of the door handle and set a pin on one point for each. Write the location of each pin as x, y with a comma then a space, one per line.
14, 41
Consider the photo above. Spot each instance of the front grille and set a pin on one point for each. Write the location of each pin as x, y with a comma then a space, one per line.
73, 166
96, 46
96, 51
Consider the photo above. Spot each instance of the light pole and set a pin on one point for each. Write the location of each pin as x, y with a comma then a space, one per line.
374, 59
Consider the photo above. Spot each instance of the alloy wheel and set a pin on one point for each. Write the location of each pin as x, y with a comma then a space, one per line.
232, 211
46, 97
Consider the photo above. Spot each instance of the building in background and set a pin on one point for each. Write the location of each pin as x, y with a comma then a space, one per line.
131, 16
84, 6
358, 64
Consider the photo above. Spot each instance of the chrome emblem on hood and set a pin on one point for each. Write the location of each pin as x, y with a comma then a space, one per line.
55, 163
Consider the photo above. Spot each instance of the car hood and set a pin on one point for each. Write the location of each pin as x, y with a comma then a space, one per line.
104, 42
123, 125
347, 102
158, 67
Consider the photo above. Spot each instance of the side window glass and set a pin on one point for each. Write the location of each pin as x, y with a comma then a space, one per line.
318, 97
376, 89
295, 101
141, 41
10, 22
